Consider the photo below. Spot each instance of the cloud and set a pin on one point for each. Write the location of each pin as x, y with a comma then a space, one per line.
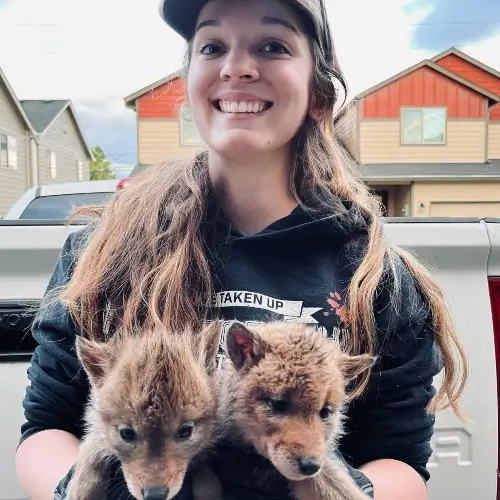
98, 51
92, 52
455, 23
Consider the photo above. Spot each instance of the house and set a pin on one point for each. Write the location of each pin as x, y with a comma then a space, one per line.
427, 139
165, 125
41, 142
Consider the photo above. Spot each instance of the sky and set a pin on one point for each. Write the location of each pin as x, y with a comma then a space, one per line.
99, 51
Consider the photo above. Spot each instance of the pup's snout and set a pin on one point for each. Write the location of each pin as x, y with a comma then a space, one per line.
155, 493
308, 466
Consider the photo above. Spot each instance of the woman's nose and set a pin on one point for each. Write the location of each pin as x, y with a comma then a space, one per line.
239, 67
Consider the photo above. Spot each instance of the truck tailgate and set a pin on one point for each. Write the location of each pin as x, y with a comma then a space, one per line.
464, 462
28, 254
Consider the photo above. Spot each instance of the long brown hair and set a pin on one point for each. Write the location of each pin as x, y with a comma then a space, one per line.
146, 262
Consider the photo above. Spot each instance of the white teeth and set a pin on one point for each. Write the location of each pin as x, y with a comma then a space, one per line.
241, 106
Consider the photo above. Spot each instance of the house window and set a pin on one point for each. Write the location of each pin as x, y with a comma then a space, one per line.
51, 164
79, 170
423, 125
12, 153
189, 131
3, 151
8, 152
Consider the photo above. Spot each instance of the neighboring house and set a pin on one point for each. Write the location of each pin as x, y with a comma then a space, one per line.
165, 125
41, 143
427, 139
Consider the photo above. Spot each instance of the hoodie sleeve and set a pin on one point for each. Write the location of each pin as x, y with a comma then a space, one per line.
58, 389
390, 420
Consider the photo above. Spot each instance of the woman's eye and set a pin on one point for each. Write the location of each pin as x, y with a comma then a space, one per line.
275, 48
210, 49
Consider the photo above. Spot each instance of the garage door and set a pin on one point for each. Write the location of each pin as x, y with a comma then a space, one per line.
478, 209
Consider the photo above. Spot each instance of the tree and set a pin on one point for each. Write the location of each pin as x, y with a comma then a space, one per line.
100, 167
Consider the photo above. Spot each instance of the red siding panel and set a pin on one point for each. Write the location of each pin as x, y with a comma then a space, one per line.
162, 102
424, 87
495, 113
470, 72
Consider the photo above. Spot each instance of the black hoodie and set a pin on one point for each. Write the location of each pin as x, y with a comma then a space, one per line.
297, 269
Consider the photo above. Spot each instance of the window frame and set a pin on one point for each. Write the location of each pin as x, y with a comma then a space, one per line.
422, 110
11, 143
79, 170
51, 154
182, 121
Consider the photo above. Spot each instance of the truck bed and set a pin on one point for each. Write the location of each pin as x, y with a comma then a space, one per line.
465, 257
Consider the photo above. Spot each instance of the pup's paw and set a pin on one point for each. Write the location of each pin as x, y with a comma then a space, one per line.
206, 485
77, 490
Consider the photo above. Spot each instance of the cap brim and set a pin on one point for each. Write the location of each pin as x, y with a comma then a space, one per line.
181, 15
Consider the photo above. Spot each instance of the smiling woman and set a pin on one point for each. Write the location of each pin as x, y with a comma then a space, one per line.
271, 222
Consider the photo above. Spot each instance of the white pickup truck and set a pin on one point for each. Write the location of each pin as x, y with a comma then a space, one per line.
465, 257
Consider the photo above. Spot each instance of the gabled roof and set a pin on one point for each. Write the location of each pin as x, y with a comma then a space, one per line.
16, 102
130, 99
493, 98
43, 113
465, 57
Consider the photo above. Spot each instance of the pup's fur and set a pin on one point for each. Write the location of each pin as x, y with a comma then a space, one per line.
282, 390
159, 387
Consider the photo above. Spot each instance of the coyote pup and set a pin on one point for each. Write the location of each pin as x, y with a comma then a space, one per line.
153, 405
282, 389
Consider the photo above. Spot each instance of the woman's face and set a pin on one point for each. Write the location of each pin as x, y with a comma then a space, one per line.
249, 76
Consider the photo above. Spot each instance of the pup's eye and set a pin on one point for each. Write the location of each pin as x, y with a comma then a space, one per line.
185, 431
128, 434
326, 412
278, 405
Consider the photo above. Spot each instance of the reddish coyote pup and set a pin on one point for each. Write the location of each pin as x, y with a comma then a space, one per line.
153, 405
283, 389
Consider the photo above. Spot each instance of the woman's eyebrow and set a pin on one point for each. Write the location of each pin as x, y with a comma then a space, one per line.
280, 22
208, 22
266, 20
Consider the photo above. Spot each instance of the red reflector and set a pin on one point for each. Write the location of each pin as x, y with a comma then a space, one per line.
123, 183
494, 286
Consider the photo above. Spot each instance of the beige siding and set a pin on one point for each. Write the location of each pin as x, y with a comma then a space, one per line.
64, 140
159, 140
494, 140
472, 209
13, 183
481, 194
380, 143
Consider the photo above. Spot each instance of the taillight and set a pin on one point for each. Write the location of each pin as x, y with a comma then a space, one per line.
494, 286
123, 183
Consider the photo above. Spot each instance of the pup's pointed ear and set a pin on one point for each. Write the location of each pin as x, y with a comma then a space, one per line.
245, 347
353, 366
211, 340
95, 358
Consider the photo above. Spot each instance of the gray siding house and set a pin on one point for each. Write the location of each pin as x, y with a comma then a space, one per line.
41, 142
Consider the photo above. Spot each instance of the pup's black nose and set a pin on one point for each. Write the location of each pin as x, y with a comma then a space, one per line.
155, 493
308, 466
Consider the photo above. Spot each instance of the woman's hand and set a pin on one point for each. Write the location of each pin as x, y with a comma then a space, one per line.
395, 480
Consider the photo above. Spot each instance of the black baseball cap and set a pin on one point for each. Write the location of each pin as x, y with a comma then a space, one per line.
181, 16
